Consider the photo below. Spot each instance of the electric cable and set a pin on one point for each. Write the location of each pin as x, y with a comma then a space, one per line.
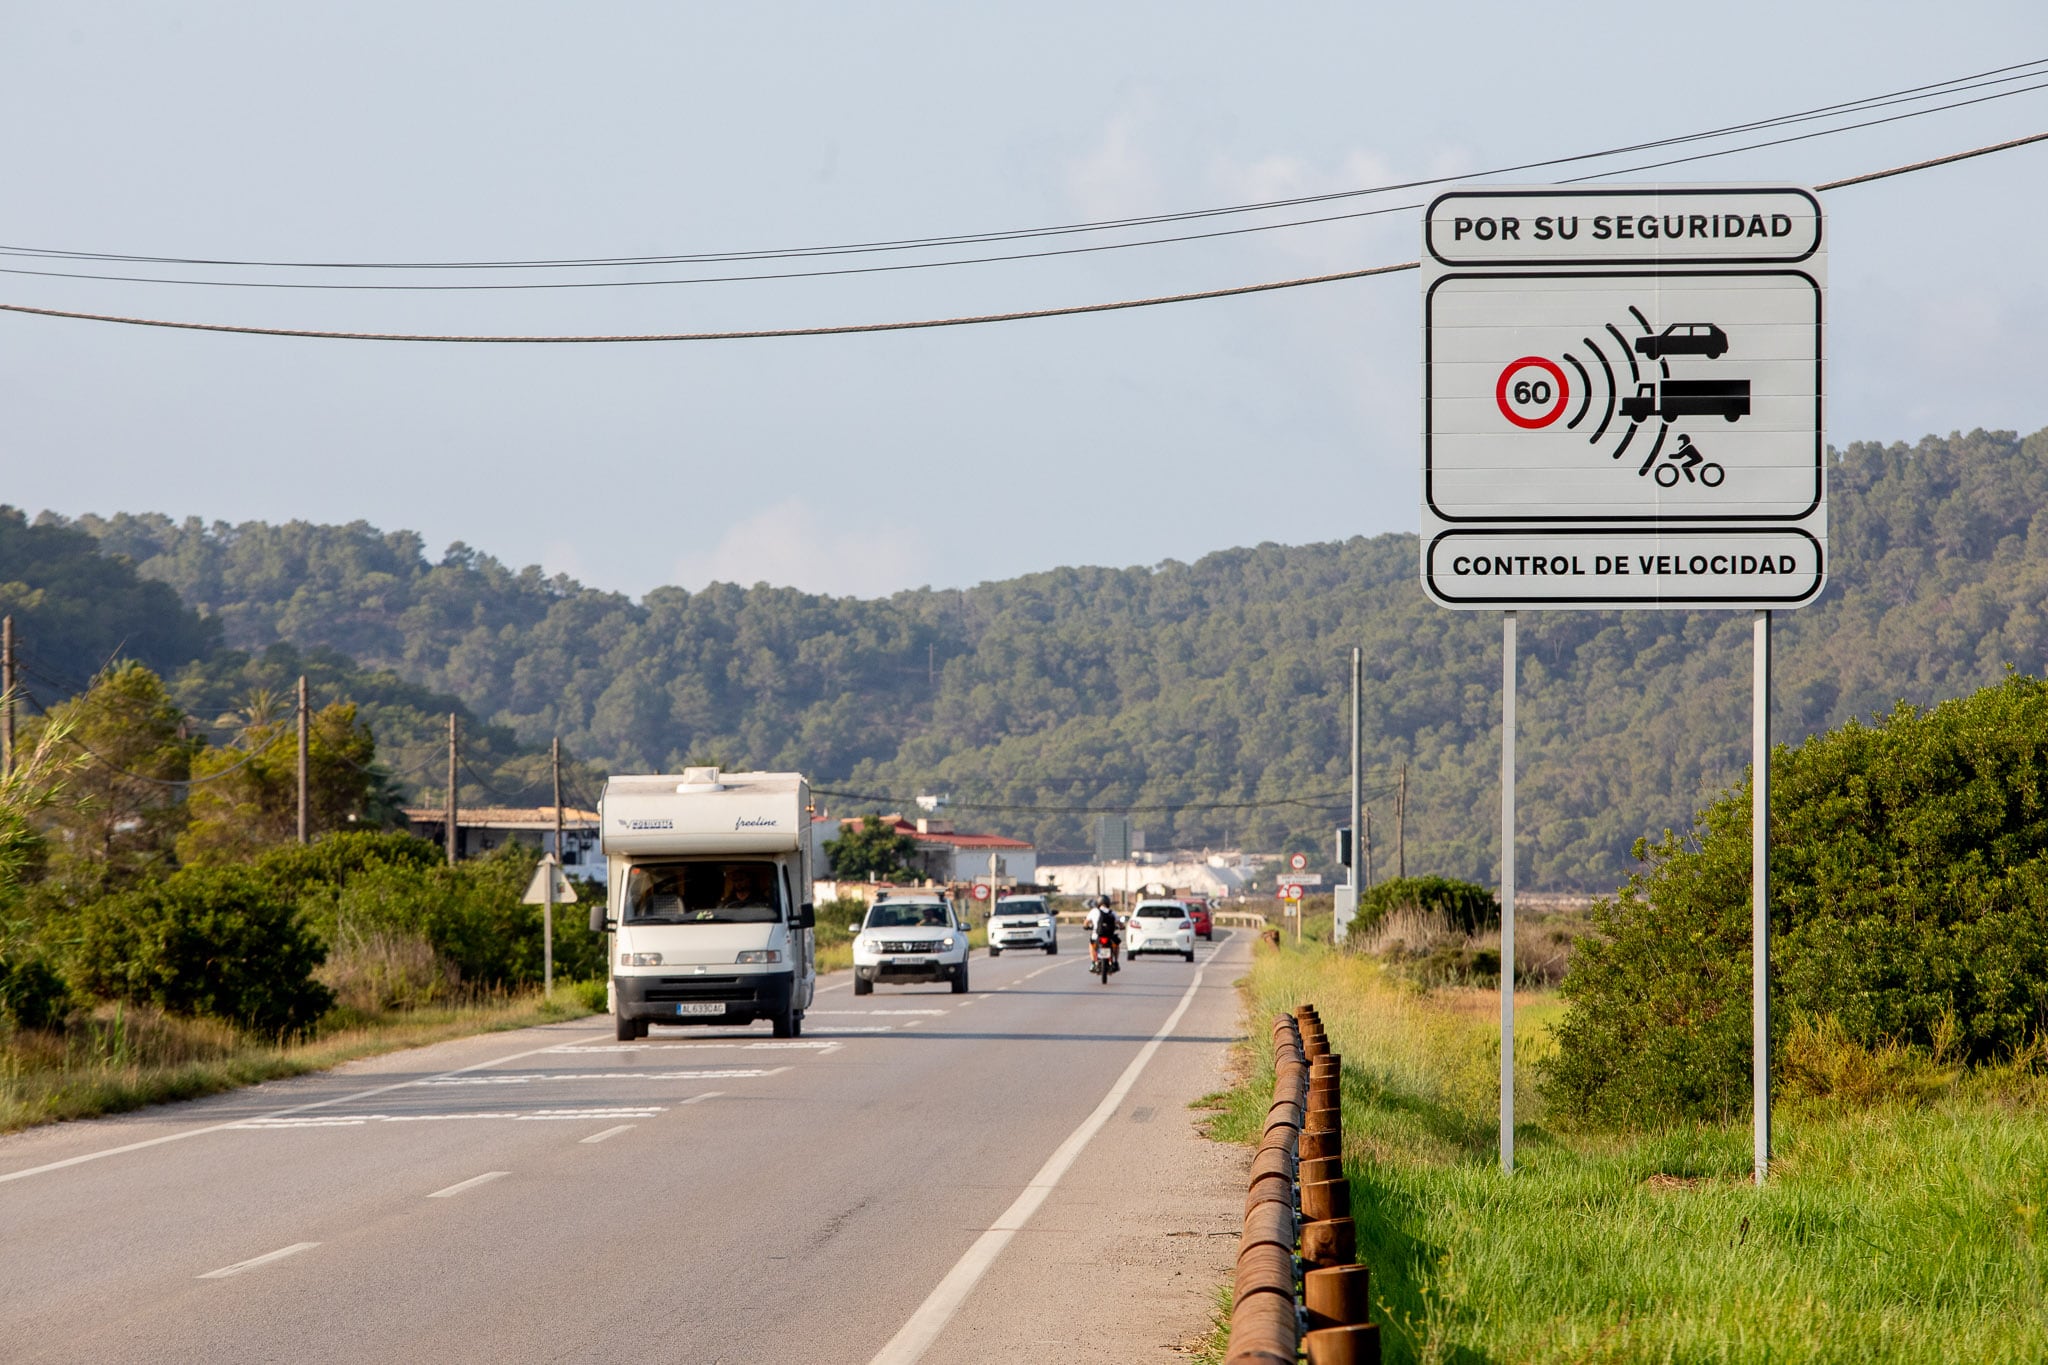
1315, 800
1934, 90
848, 329
965, 260
116, 768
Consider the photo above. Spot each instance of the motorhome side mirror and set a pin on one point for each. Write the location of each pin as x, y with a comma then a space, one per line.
807, 916
598, 921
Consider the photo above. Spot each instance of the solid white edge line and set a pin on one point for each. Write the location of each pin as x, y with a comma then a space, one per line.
265, 1259
610, 1132
917, 1335
459, 1186
273, 1114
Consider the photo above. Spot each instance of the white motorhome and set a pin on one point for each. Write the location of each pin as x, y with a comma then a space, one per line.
709, 899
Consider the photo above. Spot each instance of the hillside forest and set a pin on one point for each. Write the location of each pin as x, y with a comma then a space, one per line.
1209, 698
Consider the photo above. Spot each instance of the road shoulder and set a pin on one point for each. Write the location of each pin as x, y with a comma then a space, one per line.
1122, 1260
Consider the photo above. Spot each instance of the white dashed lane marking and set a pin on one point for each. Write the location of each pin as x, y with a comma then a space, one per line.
610, 1132
630, 1111
265, 1259
572, 1049
543, 1077
813, 1014
459, 1186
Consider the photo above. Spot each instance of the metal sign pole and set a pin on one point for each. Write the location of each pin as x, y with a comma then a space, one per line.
1357, 786
1507, 891
1760, 891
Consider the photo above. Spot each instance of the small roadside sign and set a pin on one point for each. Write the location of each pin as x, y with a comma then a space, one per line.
1291, 892
980, 891
1300, 879
1297, 861
537, 889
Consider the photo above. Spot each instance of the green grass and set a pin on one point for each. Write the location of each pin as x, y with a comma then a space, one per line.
1894, 1229
124, 1057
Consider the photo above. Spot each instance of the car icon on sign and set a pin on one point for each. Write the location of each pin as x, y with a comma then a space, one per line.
1684, 338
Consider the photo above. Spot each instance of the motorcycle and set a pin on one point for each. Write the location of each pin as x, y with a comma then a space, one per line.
1105, 961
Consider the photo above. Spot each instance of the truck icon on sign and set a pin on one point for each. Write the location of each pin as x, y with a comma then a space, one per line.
1684, 338
1676, 398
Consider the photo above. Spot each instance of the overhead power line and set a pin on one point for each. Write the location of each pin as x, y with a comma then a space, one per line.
1315, 799
1006, 258
2019, 71
113, 767
848, 329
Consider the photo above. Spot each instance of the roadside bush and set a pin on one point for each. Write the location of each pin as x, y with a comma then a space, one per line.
220, 941
1466, 907
837, 919
32, 994
1909, 880
335, 858
471, 915
375, 970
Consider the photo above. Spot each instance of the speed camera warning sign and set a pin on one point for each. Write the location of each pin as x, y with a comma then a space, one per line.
1622, 398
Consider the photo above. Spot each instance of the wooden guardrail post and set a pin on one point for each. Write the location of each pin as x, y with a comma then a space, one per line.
1299, 1168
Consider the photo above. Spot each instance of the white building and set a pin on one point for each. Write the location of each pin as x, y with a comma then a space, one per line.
1219, 876
944, 854
479, 830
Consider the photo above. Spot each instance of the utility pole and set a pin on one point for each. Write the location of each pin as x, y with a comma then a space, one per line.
303, 831
448, 830
547, 905
1401, 825
6, 696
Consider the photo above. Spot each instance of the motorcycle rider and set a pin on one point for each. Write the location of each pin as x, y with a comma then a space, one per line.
1102, 922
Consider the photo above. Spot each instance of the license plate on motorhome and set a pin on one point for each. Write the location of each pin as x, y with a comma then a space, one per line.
700, 1007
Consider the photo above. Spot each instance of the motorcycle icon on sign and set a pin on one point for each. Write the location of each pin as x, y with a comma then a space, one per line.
1685, 460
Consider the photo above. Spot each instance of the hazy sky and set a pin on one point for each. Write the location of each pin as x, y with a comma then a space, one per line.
432, 132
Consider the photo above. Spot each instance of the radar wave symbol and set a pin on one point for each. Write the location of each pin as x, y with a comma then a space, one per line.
1609, 391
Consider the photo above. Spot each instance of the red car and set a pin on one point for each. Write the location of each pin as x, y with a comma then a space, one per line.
1200, 915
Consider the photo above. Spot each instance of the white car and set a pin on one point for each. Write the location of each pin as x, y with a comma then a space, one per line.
1022, 922
914, 937
1160, 927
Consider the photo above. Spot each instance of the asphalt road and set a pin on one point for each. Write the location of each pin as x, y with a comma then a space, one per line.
1003, 1174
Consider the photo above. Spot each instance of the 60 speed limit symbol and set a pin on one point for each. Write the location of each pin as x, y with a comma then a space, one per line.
1531, 392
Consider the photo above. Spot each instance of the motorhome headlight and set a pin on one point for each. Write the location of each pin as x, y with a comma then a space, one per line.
758, 956
639, 959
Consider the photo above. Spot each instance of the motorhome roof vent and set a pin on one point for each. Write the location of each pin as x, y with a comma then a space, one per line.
700, 780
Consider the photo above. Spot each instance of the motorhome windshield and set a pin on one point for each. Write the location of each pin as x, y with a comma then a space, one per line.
703, 893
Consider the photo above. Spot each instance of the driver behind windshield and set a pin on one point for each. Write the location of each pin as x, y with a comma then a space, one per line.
708, 892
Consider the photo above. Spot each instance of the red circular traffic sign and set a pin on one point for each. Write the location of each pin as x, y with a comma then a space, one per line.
1533, 395
980, 892
1290, 892
1297, 861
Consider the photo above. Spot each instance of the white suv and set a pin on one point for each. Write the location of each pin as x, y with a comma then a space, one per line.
913, 937
1022, 922
1160, 927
